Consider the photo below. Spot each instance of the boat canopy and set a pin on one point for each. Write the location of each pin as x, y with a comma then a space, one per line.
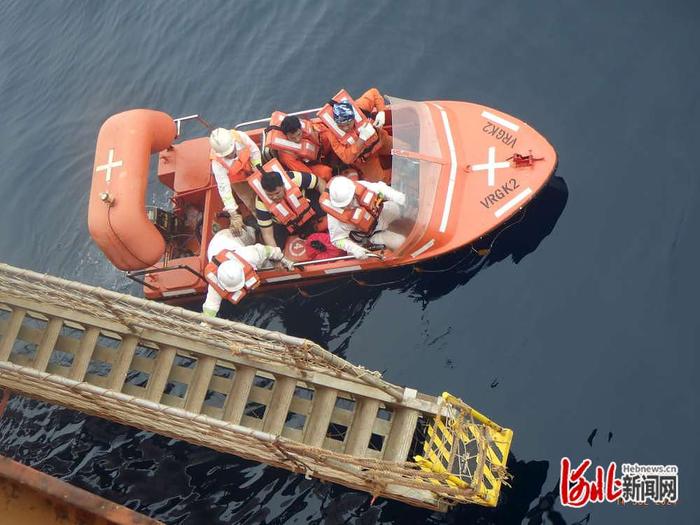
416, 166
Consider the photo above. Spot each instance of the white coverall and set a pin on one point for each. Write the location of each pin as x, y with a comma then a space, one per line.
242, 189
256, 254
340, 231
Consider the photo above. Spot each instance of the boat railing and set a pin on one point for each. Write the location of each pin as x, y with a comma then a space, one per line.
267, 119
333, 259
137, 275
178, 122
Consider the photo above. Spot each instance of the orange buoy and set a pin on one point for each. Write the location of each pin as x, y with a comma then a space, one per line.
117, 217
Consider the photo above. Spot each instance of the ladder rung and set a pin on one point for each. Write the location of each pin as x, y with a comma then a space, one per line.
276, 413
48, 342
161, 371
121, 368
197, 390
11, 332
81, 359
403, 427
238, 395
361, 428
321, 412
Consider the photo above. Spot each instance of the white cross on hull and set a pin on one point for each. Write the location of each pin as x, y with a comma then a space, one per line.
491, 166
111, 163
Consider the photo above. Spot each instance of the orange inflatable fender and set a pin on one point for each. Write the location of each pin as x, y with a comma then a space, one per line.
117, 217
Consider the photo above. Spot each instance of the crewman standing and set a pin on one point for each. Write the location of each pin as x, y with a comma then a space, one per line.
233, 157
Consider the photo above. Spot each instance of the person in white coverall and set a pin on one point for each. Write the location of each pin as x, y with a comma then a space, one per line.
257, 255
339, 190
233, 157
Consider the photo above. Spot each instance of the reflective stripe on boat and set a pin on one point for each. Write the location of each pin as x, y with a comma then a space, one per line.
453, 170
423, 248
500, 120
283, 278
513, 202
175, 293
346, 269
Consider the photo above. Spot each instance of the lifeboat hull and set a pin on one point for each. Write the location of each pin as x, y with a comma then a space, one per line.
494, 165
485, 166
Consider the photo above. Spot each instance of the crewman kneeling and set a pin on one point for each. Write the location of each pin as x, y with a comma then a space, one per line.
233, 157
283, 205
232, 270
362, 210
296, 144
349, 139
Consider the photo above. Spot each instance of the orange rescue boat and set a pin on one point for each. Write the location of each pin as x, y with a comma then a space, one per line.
465, 170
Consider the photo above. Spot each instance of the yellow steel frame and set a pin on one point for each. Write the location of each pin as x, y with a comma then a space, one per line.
465, 424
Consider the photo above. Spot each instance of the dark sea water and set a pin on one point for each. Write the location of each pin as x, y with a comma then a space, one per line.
584, 317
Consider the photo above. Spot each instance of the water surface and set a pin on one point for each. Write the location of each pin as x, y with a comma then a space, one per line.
583, 317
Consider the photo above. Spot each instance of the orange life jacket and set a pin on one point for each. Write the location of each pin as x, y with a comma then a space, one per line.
252, 280
307, 149
345, 137
240, 168
364, 217
294, 210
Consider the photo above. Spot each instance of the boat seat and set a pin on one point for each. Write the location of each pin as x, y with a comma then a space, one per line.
192, 167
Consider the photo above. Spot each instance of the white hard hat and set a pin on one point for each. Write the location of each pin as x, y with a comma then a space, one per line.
231, 275
221, 141
341, 191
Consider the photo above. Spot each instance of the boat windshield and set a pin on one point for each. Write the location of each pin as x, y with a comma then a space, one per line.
416, 166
